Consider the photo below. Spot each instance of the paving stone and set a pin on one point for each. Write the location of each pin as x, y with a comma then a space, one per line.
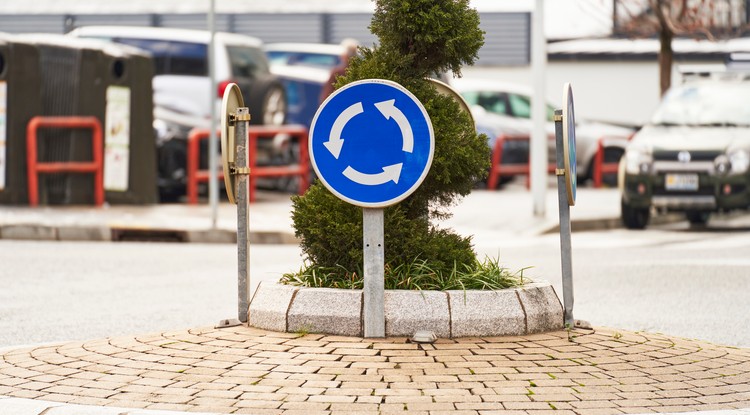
407, 312
489, 313
326, 310
488, 380
269, 306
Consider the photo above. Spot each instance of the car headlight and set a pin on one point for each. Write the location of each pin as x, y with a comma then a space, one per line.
739, 160
638, 160
722, 164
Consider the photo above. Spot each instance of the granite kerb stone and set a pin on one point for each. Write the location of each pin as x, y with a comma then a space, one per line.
326, 310
270, 305
532, 308
543, 308
407, 312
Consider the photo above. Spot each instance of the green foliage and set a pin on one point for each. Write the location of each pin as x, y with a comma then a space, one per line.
331, 234
432, 35
417, 38
415, 275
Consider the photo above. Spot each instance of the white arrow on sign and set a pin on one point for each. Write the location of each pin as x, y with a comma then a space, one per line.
335, 142
389, 173
389, 110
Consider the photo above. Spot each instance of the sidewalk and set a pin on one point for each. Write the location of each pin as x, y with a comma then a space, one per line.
249, 371
482, 213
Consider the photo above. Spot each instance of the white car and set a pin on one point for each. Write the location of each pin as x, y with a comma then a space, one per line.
511, 103
182, 87
181, 80
694, 155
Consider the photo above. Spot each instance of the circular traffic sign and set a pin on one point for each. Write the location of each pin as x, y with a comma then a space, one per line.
371, 143
229, 103
569, 143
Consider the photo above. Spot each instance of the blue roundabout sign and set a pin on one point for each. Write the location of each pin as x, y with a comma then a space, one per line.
371, 143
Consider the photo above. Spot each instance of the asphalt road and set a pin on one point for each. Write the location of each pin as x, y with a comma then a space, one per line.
670, 279
56, 291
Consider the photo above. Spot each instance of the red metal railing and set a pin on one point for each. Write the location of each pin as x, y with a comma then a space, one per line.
601, 167
255, 133
499, 169
34, 167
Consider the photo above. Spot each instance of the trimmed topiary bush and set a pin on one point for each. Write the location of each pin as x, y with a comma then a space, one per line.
418, 38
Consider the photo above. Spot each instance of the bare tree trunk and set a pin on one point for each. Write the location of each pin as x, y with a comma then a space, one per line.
663, 11
666, 56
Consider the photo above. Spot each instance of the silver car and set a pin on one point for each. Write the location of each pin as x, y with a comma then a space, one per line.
511, 103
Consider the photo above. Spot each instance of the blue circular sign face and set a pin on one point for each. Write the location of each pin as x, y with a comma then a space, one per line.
569, 144
371, 143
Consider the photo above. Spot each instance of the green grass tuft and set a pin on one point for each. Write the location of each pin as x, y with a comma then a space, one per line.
417, 275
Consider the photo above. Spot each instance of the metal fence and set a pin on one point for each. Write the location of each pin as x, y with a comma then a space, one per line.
507, 39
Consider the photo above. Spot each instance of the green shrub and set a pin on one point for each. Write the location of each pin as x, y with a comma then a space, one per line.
417, 38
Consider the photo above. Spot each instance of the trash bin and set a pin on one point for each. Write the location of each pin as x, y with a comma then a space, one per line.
112, 83
19, 101
129, 99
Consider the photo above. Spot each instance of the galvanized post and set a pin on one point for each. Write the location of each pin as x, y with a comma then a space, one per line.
374, 253
564, 208
213, 146
242, 119
538, 145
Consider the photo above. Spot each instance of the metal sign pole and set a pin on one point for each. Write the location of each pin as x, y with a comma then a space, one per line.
564, 208
538, 143
241, 170
374, 282
213, 147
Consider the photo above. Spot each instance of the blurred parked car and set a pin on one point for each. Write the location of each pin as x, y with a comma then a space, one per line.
320, 55
694, 155
181, 88
511, 104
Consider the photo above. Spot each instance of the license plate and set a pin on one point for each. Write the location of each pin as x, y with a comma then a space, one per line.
682, 182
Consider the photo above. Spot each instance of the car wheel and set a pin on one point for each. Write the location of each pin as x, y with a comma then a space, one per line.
267, 102
697, 218
632, 217
171, 170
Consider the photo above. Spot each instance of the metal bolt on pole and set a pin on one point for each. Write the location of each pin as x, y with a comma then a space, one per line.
242, 118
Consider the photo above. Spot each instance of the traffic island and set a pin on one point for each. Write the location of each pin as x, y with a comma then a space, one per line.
531, 308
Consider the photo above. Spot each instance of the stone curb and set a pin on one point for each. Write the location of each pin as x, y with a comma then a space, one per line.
532, 308
35, 232
105, 233
603, 224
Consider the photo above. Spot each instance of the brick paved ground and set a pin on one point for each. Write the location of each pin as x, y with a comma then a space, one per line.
245, 370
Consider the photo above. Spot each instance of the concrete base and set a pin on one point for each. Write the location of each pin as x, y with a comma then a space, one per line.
532, 308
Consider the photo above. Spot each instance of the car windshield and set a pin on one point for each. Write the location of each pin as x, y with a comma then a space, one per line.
708, 104
304, 58
173, 57
247, 62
